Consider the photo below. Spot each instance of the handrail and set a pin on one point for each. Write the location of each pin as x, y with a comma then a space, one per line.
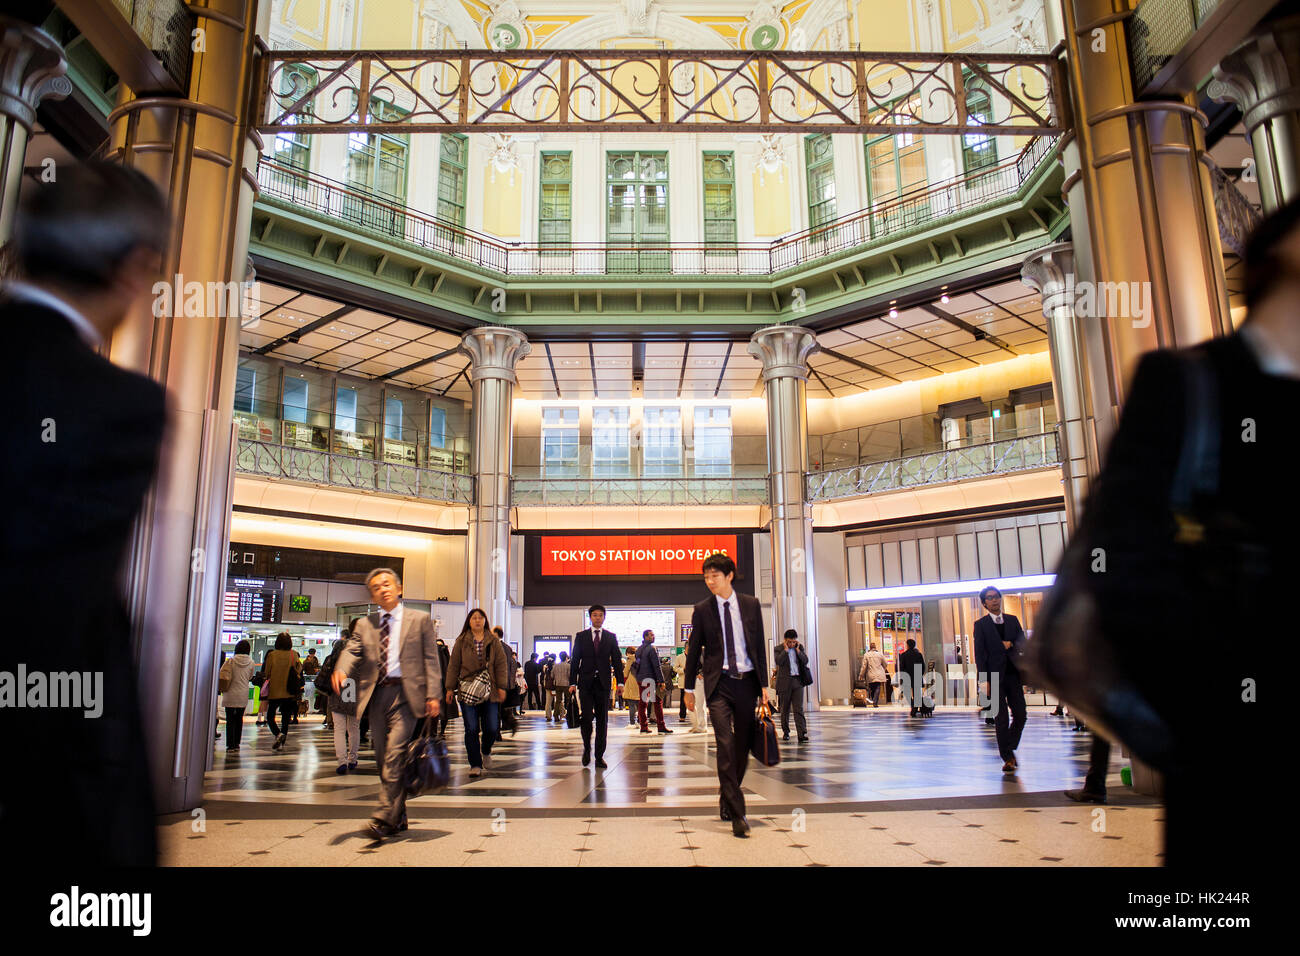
852, 230
1002, 456
270, 460
642, 492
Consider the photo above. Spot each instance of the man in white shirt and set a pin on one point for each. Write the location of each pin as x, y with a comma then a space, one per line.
728, 648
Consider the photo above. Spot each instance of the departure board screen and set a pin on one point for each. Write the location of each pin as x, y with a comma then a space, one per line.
254, 607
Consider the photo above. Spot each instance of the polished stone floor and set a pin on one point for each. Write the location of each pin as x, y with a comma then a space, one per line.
869, 788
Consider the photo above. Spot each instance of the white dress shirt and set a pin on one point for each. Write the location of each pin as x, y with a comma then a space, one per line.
997, 618
23, 292
394, 639
743, 663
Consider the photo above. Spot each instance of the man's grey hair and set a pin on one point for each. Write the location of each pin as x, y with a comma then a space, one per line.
378, 571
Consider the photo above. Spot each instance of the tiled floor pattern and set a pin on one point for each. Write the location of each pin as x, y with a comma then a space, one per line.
868, 789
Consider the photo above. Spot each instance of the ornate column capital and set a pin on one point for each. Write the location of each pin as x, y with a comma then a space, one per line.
1050, 270
1261, 77
32, 68
783, 350
494, 351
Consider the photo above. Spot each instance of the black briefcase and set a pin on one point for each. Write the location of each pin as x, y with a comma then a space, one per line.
764, 747
571, 710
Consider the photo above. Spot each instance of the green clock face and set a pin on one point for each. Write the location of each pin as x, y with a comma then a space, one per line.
765, 37
506, 36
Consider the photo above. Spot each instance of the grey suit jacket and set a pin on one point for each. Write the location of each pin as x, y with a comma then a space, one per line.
418, 654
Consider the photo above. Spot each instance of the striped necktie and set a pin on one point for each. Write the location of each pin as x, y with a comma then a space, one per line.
384, 631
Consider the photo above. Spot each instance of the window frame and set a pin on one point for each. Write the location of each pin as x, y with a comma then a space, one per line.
729, 182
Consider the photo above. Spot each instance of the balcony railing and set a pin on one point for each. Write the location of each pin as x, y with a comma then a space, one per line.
360, 474
879, 224
1025, 453
637, 492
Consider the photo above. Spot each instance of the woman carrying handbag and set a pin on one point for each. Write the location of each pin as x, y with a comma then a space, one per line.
477, 679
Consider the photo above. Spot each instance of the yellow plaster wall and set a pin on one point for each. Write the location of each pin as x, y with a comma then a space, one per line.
502, 203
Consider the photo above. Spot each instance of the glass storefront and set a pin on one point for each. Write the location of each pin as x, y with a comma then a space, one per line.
943, 629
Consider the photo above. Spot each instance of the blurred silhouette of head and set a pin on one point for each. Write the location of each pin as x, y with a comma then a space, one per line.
93, 237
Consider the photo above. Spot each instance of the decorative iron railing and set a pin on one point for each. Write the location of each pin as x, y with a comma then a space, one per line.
361, 474
507, 91
1024, 453
637, 492
853, 231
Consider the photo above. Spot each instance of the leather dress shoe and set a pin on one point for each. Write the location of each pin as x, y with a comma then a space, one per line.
665, 730
378, 829
600, 762
803, 740
723, 812
586, 757
1085, 796
403, 825
740, 827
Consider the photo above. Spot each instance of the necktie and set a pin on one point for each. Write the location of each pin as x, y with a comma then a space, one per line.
733, 670
384, 631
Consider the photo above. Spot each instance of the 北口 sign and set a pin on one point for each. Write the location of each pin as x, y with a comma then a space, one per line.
632, 555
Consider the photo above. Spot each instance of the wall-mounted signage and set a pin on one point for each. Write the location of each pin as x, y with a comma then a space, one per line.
884, 620
631, 555
300, 603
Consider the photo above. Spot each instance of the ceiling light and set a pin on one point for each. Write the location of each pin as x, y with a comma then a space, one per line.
944, 298
893, 313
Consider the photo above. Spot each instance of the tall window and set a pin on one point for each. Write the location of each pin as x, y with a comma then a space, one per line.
292, 151
719, 200
295, 400
560, 442
393, 418
610, 448
636, 212
453, 159
713, 441
978, 151
663, 442
245, 388
895, 163
345, 409
555, 216
438, 428
821, 179
377, 167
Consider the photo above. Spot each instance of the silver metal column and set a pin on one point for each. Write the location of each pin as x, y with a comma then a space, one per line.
1050, 270
1261, 77
493, 353
32, 68
202, 152
784, 351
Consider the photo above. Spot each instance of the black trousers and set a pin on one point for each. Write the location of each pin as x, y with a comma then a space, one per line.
1010, 719
280, 705
535, 698
1098, 761
594, 697
732, 710
234, 727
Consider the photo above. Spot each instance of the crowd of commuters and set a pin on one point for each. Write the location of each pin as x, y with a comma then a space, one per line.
1190, 506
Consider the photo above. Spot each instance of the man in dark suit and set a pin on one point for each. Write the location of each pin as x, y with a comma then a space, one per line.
532, 673
83, 436
911, 672
596, 661
791, 665
727, 645
999, 640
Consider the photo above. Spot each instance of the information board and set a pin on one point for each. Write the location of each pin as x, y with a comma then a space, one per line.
253, 607
629, 622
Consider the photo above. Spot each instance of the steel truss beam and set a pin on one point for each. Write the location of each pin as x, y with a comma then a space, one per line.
656, 91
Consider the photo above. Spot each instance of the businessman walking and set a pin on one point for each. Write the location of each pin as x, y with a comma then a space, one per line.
728, 648
998, 641
392, 656
595, 662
